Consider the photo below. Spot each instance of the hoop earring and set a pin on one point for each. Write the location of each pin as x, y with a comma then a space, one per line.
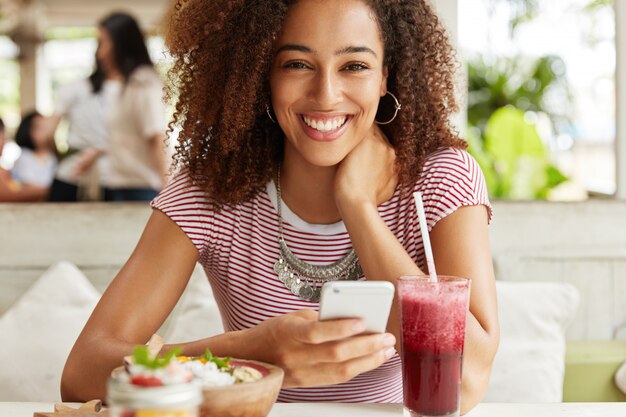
267, 110
397, 106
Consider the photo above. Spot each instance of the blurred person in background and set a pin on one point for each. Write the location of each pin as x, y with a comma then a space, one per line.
38, 160
137, 121
11, 190
83, 173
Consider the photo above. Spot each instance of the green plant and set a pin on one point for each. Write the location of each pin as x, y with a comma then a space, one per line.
502, 92
508, 147
513, 157
519, 81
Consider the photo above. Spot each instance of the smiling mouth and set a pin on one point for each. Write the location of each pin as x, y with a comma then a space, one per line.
327, 125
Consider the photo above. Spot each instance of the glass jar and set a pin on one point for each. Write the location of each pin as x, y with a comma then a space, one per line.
177, 400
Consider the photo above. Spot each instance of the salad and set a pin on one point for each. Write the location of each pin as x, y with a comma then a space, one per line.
145, 369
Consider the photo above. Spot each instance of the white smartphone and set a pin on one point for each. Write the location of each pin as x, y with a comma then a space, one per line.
368, 300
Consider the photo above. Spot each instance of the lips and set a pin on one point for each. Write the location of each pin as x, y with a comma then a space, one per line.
325, 128
325, 125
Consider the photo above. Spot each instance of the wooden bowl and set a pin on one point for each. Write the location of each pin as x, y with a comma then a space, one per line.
248, 399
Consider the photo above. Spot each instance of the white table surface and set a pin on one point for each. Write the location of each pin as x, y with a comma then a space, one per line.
16, 409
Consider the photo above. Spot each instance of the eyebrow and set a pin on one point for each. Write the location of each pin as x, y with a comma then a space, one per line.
355, 50
342, 51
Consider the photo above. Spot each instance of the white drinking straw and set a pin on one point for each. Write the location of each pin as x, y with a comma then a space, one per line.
430, 261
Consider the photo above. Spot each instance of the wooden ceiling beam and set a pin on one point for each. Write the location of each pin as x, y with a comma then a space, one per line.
87, 13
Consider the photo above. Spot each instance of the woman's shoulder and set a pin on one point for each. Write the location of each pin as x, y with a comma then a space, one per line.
181, 191
449, 168
451, 178
197, 214
449, 159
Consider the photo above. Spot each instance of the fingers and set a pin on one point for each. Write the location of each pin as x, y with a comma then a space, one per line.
313, 352
311, 331
316, 332
338, 362
355, 347
345, 371
306, 314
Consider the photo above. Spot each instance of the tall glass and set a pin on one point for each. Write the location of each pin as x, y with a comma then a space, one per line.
432, 316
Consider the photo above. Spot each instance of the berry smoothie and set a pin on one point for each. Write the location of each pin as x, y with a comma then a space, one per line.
433, 331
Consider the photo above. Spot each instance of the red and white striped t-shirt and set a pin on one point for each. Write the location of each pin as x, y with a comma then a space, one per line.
238, 247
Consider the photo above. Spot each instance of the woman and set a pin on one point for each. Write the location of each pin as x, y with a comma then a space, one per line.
37, 161
12, 191
85, 104
287, 107
136, 123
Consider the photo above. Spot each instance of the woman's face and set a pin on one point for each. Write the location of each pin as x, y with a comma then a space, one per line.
105, 54
38, 133
327, 78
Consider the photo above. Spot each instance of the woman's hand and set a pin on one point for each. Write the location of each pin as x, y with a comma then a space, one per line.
86, 160
313, 352
368, 173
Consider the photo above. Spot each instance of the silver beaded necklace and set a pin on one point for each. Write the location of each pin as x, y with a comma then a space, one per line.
303, 279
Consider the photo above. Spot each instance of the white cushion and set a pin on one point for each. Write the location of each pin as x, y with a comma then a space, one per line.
196, 315
620, 378
530, 363
39, 331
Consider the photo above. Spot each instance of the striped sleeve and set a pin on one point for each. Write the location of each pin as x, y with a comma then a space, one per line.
188, 206
452, 179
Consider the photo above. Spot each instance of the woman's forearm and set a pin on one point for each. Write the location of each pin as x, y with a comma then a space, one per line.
91, 362
478, 353
20, 193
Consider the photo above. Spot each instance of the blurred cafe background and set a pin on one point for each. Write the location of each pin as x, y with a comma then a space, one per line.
543, 90
45, 44
544, 71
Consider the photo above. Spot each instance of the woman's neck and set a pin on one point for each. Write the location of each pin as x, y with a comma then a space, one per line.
114, 75
42, 153
308, 191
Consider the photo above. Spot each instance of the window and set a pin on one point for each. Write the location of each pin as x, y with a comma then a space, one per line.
554, 61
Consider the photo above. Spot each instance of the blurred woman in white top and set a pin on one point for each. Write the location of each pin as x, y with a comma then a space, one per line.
83, 173
137, 122
11, 190
37, 161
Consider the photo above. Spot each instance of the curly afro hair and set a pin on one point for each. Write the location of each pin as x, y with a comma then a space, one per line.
223, 52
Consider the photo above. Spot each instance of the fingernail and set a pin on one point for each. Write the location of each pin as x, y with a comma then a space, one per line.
390, 352
389, 340
359, 326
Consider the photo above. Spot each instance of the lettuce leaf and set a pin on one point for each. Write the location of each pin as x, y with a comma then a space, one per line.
141, 356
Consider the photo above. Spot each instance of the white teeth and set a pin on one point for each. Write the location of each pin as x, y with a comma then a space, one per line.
325, 126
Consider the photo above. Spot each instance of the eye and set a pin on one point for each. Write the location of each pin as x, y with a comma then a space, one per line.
356, 67
296, 65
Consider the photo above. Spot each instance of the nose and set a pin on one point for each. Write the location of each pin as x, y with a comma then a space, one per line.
326, 90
